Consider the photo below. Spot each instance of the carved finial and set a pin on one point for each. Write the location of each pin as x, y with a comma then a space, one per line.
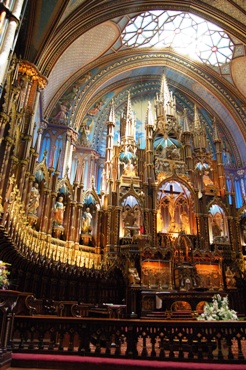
58, 160
216, 135
111, 117
164, 90
186, 122
197, 122
149, 116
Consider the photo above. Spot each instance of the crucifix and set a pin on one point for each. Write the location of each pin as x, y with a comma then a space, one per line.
171, 208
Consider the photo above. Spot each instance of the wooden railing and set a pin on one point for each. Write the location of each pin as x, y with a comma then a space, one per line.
216, 341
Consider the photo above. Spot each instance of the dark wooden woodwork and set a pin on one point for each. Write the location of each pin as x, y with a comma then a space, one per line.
53, 280
176, 340
187, 302
8, 300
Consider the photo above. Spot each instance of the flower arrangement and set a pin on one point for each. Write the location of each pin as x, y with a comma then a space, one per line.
218, 309
4, 281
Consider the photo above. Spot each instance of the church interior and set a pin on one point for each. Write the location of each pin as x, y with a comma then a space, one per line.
123, 161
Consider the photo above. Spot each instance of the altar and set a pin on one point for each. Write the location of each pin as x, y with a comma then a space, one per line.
157, 304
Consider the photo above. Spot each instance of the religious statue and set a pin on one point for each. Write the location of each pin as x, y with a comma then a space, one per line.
133, 275
206, 179
216, 228
159, 221
96, 109
130, 224
230, 278
226, 157
34, 199
175, 154
61, 116
130, 218
185, 222
71, 93
171, 208
129, 169
164, 152
59, 209
86, 222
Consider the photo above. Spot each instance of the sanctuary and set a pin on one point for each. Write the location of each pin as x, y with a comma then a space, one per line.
122, 174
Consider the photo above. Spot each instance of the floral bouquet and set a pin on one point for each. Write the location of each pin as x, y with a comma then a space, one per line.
218, 309
4, 281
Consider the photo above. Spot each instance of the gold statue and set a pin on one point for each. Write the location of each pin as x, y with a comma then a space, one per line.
34, 199
171, 208
230, 278
133, 275
185, 222
86, 222
206, 179
129, 169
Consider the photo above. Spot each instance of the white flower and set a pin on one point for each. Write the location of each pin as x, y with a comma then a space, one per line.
218, 310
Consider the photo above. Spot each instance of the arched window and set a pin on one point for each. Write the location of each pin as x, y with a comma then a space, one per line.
218, 225
57, 151
229, 189
238, 193
75, 163
45, 147
99, 177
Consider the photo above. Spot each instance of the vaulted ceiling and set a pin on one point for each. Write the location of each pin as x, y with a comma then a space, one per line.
75, 44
